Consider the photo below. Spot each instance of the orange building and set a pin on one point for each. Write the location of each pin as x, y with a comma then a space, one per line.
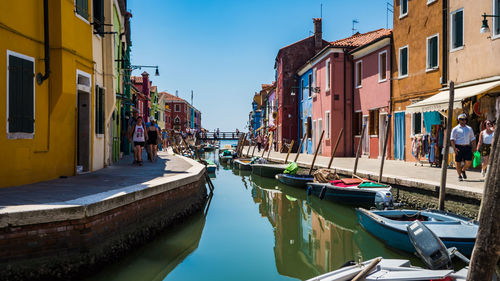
419, 68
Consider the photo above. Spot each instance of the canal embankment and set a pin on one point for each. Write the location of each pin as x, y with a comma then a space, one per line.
415, 185
60, 228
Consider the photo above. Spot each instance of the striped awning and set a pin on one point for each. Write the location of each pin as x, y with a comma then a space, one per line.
440, 101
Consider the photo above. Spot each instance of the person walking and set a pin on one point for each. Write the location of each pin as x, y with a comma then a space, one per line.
139, 137
130, 130
463, 142
153, 138
259, 141
164, 138
484, 145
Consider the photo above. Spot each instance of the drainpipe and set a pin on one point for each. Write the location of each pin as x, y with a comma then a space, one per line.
444, 74
39, 77
345, 94
390, 95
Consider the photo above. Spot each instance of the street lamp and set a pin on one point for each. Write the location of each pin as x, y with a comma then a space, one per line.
157, 73
484, 27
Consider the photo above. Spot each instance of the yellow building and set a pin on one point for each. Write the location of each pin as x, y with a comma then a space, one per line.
48, 125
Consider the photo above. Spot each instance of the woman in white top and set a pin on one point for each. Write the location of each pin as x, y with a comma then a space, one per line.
139, 137
484, 143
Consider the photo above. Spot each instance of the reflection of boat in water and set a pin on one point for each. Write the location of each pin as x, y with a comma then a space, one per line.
306, 242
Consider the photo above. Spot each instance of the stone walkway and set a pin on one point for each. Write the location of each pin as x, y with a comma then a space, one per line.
395, 172
93, 186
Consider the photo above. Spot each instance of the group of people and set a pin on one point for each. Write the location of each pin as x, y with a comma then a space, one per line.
464, 145
146, 135
261, 141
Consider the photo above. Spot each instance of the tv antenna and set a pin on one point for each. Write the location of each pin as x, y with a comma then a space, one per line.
354, 21
389, 8
176, 93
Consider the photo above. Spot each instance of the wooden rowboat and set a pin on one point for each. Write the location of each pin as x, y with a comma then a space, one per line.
295, 180
268, 170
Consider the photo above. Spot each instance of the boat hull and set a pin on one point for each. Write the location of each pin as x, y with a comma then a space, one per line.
295, 180
268, 170
211, 168
396, 235
243, 164
353, 196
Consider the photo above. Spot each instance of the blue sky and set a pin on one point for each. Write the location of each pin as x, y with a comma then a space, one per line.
224, 50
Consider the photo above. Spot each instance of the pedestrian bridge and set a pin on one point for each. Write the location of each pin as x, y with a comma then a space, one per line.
222, 135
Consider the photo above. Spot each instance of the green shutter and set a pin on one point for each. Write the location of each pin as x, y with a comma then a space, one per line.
21, 115
82, 8
99, 110
98, 20
404, 61
433, 52
458, 21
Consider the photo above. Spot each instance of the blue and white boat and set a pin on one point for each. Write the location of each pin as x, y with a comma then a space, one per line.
390, 226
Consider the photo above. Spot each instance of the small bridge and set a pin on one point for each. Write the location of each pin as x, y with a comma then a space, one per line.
222, 135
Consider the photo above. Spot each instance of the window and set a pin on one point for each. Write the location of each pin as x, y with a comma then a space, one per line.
302, 82
373, 122
327, 75
357, 123
309, 127
98, 15
177, 108
433, 52
403, 8
416, 123
82, 8
21, 95
457, 29
327, 125
382, 66
99, 110
403, 62
310, 84
358, 74
320, 132
430, 1
496, 20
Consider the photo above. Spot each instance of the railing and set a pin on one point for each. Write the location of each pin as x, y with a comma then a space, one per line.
222, 135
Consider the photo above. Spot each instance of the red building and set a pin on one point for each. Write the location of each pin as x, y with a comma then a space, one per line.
141, 95
288, 61
177, 113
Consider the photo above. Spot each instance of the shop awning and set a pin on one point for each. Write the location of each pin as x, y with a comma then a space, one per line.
440, 101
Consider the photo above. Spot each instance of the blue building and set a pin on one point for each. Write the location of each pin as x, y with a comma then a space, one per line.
305, 109
256, 118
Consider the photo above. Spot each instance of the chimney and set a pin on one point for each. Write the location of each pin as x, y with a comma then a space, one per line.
145, 83
318, 35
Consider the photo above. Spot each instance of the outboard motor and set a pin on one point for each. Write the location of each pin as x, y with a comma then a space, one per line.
383, 200
429, 247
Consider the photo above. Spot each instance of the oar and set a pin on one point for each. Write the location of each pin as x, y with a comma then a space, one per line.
366, 270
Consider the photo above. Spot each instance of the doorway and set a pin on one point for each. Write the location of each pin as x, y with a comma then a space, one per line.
381, 133
365, 146
83, 135
399, 135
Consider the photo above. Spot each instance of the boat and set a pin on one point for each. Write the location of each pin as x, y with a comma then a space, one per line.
391, 227
353, 191
209, 147
268, 170
225, 156
295, 180
243, 164
211, 167
393, 270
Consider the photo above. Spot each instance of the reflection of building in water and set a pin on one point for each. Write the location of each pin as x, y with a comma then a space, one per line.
306, 244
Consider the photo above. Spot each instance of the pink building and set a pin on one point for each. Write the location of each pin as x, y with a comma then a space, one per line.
372, 92
333, 92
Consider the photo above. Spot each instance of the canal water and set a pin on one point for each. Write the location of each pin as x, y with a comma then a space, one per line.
253, 229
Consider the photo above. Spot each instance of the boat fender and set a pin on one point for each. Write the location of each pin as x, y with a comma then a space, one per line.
309, 190
322, 193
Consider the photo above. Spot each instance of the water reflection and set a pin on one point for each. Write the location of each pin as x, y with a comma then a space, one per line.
311, 236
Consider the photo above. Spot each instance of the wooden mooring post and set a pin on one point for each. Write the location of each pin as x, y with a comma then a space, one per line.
289, 149
249, 146
487, 247
263, 148
270, 142
300, 147
444, 165
359, 150
384, 151
335, 149
316, 152
253, 150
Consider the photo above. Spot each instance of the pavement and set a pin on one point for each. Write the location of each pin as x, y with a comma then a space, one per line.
91, 187
395, 172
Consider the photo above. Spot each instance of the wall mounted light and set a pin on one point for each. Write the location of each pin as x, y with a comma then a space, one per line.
484, 27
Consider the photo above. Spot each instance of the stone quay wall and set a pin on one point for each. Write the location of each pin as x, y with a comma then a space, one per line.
66, 241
